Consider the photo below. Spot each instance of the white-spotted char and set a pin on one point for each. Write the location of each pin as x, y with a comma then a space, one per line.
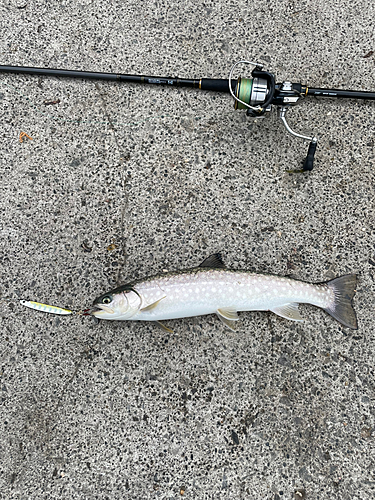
211, 288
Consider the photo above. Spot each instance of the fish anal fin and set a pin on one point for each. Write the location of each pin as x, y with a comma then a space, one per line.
152, 306
288, 311
228, 323
215, 260
163, 327
228, 316
228, 313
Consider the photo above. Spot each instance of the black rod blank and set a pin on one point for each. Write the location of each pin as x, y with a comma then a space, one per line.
346, 94
203, 83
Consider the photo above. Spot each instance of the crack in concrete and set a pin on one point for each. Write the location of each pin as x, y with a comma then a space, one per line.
123, 208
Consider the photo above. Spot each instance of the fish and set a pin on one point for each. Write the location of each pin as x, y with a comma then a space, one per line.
212, 288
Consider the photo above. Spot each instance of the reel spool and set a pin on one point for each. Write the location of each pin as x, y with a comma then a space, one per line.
254, 94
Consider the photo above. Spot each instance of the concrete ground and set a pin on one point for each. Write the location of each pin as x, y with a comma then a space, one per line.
123, 181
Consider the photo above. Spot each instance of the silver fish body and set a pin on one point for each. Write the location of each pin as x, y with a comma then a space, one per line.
211, 288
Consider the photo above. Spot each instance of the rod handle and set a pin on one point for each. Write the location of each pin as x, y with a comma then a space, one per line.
216, 85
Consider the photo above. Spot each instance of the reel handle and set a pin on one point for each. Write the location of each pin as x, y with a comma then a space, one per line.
308, 164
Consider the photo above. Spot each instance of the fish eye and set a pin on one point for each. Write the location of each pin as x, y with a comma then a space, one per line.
107, 299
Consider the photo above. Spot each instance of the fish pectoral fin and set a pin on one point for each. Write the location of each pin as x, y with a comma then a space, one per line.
228, 316
288, 311
152, 306
163, 327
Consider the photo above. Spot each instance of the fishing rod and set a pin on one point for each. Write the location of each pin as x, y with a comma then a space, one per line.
256, 94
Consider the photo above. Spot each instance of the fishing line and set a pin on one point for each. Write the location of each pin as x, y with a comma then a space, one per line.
47, 115
79, 121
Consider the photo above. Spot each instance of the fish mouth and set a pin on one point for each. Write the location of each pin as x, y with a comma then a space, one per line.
99, 310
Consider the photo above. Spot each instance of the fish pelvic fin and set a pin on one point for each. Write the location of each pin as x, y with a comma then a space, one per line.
288, 311
342, 308
163, 327
228, 316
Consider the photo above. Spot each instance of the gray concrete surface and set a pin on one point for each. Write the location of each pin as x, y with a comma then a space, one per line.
150, 179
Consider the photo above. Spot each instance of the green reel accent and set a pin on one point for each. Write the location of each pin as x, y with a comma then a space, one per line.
243, 92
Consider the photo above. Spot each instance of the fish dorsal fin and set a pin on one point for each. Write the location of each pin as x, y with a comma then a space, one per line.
163, 327
228, 316
152, 306
213, 260
288, 311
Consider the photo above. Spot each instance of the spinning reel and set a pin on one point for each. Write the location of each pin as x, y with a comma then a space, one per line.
259, 93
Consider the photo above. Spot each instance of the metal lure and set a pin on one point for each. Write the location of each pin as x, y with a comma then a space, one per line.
46, 308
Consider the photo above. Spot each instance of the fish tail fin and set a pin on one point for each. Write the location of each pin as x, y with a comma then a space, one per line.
341, 308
